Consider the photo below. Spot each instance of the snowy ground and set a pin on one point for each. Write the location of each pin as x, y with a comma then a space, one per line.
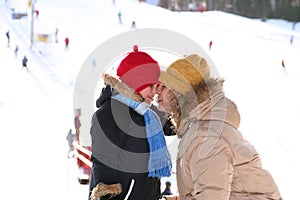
36, 108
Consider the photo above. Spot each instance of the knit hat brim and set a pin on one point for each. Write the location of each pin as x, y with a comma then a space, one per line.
141, 76
185, 74
173, 82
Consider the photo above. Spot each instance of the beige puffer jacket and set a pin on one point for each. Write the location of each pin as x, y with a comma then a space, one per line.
214, 162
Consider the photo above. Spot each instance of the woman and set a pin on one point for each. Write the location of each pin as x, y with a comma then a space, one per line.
213, 160
129, 153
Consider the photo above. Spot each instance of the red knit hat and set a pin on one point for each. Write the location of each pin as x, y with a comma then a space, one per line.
138, 70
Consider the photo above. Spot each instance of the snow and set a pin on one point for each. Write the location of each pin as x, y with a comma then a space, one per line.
36, 108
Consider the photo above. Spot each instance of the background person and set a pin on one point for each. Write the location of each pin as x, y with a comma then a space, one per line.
70, 138
24, 63
167, 190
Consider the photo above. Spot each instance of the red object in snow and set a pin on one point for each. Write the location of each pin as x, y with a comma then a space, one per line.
67, 42
210, 44
282, 64
37, 13
83, 157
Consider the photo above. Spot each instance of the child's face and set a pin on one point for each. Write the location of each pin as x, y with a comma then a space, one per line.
148, 93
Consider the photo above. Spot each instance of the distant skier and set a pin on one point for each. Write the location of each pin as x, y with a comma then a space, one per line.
120, 17
24, 63
292, 36
291, 39
16, 51
133, 25
67, 40
56, 33
70, 138
210, 44
37, 12
77, 124
282, 63
8, 38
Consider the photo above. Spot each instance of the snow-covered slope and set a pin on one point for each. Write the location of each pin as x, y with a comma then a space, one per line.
36, 108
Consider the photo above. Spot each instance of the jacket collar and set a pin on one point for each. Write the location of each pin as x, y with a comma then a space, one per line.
121, 87
214, 108
200, 113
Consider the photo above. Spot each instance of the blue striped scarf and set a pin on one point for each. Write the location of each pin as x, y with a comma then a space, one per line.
159, 164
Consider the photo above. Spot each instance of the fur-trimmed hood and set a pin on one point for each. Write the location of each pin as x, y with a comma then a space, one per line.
121, 87
207, 103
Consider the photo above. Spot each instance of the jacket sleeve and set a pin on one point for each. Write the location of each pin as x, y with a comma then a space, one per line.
211, 170
106, 142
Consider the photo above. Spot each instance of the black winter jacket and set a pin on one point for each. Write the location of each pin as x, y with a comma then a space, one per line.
120, 150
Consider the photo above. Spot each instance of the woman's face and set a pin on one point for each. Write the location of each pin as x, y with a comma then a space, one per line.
165, 95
